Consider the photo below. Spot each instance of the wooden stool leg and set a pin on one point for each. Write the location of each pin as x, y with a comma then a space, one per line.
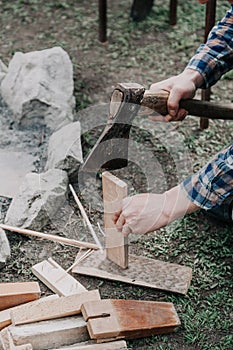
209, 23
102, 21
173, 12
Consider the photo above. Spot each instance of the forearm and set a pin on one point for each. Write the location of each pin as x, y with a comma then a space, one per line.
215, 58
210, 186
177, 204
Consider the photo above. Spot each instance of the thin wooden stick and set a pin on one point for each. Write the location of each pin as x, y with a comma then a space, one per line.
100, 229
71, 242
79, 259
84, 215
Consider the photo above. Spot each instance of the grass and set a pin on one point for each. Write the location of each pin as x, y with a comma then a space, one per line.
143, 52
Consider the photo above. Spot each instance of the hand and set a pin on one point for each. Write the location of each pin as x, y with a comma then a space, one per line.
182, 86
148, 212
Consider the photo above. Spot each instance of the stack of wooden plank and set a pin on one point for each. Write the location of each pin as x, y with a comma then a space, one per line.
74, 318
77, 319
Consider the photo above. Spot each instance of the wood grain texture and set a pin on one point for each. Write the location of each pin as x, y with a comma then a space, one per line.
114, 191
128, 319
16, 293
113, 345
52, 308
5, 315
54, 238
8, 343
50, 334
57, 279
141, 271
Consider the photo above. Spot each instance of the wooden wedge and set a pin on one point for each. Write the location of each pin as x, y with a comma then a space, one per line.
127, 319
16, 293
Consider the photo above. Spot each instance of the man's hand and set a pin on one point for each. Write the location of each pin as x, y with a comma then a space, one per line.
182, 86
148, 212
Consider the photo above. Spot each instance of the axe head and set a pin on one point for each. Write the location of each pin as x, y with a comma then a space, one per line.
111, 149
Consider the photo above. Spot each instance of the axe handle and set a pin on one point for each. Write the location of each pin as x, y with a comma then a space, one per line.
158, 103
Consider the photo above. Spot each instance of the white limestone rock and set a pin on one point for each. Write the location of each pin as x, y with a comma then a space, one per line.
5, 251
39, 199
38, 88
3, 70
65, 150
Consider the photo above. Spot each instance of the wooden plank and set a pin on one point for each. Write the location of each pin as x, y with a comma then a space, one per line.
5, 318
114, 345
50, 334
128, 319
57, 279
114, 190
16, 293
51, 309
8, 344
142, 271
5, 315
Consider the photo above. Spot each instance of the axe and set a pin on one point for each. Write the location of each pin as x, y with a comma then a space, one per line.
128, 100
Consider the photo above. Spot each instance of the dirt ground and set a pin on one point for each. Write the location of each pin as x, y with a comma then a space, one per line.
160, 155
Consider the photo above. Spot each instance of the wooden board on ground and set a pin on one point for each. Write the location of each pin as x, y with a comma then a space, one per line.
128, 319
142, 271
52, 308
16, 293
57, 279
114, 191
91, 345
50, 334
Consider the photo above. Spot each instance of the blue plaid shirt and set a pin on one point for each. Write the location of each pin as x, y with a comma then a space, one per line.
214, 182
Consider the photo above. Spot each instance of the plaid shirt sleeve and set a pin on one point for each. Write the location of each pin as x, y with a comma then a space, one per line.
215, 58
212, 184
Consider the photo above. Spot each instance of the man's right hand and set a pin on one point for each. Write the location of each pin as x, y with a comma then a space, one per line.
182, 86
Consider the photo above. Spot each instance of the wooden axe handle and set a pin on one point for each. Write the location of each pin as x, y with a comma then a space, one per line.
158, 103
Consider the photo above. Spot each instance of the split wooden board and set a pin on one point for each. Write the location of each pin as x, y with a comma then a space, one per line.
114, 191
16, 293
119, 318
142, 271
52, 308
57, 279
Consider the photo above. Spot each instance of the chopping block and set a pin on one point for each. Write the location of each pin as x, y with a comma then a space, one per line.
112, 319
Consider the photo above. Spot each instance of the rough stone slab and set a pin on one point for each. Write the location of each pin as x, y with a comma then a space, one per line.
13, 168
38, 88
65, 150
40, 197
5, 250
141, 271
50, 334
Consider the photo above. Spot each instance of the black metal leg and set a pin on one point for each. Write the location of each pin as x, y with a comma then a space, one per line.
102, 21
